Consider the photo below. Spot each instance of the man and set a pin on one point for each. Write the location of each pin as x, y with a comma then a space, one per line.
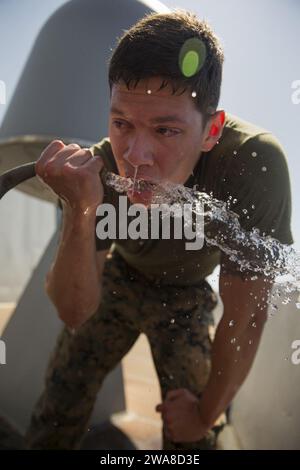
163, 125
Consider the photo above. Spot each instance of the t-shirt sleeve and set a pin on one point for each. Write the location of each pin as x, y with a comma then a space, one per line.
258, 184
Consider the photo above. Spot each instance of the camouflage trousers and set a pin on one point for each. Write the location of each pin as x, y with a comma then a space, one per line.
178, 323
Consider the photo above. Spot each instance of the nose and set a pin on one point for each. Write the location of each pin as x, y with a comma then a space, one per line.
139, 152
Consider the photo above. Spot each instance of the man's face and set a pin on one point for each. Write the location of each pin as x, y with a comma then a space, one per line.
157, 133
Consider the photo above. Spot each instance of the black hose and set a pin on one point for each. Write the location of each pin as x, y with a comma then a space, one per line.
15, 176
11, 178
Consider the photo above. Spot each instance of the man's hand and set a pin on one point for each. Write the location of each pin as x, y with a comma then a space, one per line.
181, 416
73, 174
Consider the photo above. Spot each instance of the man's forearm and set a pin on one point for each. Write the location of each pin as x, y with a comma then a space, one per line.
233, 353
73, 283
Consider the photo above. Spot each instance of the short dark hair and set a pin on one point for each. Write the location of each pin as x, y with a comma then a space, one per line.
152, 47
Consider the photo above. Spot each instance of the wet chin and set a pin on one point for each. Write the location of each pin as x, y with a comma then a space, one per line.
140, 198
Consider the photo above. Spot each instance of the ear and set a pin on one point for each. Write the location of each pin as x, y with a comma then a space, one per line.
213, 130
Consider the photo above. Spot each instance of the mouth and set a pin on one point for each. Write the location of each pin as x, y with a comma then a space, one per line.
142, 190
140, 179
142, 183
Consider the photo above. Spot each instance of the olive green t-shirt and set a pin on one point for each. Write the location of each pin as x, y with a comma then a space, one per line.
247, 169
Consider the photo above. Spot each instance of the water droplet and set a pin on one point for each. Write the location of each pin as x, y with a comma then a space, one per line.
194, 94
172, 320
164, 304
238, 348
233, 340
114, 292
253, 206
231, 323
254, 154
250, 341
254, 324
263, 168
149, 92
